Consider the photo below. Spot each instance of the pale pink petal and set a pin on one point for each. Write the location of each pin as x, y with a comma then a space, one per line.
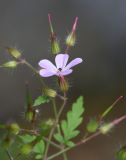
61, 60
73, 63
64, 73
46, 73
46, 64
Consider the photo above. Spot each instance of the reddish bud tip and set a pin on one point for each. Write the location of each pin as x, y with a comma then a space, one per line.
75, 24
50, 23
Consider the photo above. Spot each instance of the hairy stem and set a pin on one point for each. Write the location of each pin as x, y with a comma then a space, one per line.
9, 155
58, 129
35, 71
54, 126
76, 145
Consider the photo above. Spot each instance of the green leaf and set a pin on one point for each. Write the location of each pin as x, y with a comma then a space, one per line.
69, 126
70, 144
27, 138
59, 137
39, 147
41, 100
38, 156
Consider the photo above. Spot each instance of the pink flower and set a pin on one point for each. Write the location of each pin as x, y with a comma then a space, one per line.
61, 68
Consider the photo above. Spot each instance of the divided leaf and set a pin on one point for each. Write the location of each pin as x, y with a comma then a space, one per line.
69, 126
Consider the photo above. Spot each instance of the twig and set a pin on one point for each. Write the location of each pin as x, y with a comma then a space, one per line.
54, 127
76, 145
9, 155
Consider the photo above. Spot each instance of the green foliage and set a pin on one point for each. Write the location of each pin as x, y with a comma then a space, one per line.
27, 138
41, 100
39, 149
26, 149
92, 125
69, 126
121, 154
46, 126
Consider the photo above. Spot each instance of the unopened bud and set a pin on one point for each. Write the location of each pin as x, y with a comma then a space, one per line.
10, 64
71, 38
29, 116
121, 154
63, 84
55, 48
13, 128
26, 149
50, 92
104, 129
92, 125
13, 52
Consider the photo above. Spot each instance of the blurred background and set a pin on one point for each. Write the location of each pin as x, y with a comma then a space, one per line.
101, 42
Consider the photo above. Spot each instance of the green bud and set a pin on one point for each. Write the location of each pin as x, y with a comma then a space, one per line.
71, 39
121, 154
26, 149
55, 48
29, 115
13, 128
63, 84
14, 52
92, 125
104, 129
10, 64
50, 92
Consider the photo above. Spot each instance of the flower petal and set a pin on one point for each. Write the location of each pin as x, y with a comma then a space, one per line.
64, 73
73, 63
46, 73
46, 64
61, 60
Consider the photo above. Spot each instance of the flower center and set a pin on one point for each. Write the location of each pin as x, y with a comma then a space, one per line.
60, 69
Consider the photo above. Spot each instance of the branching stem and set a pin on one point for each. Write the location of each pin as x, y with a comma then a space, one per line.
54, 127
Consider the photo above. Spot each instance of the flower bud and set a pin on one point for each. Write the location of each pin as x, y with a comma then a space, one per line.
92, 125
63, 84
71, 38
104, 129
26, 149
121, 154
13, 128
10, 64
50, 92
13, 52
29, 116
55, 48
